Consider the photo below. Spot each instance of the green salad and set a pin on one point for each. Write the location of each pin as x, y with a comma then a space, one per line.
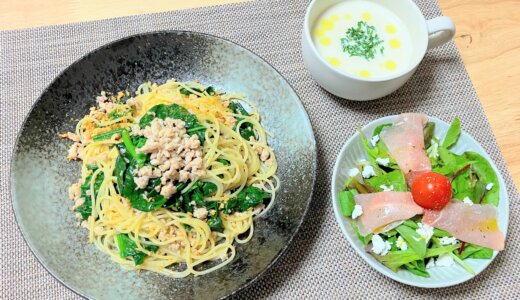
410, 244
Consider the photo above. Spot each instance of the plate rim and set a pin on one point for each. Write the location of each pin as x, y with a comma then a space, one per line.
377, 265
299, 103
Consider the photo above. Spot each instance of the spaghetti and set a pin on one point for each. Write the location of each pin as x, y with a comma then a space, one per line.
189, 222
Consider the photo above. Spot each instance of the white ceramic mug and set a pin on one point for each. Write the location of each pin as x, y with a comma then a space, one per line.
425, 34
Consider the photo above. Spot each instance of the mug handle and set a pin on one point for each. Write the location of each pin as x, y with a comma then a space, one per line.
440, 31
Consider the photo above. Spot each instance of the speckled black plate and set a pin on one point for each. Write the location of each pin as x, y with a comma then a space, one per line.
40, 175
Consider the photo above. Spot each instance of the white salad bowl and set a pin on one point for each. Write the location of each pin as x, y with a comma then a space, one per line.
353, 151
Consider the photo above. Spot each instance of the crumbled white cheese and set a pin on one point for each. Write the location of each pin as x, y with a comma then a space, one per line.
368, 171
383, 161
380, 246
353, 172
489, 186
374, 140
358, 211
401, 243
425, 231
431, 263
444, 260
467, 201
448, 240
386, 188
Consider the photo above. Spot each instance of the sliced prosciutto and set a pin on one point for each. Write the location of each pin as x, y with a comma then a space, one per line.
383, 209
405, 143
476, 224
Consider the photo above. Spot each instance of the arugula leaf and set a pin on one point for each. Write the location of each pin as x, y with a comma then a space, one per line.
395, 178
474, 251
449, 163
440, 233
395, 259
380, 150
417, 267
462, 263
364, 239
485, 175
428, 131
379, 128
452, 135
414, 240
410, 224
371, 152
433, 152
346, 203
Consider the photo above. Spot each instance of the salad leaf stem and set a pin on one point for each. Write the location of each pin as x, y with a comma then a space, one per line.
460, 171
462, 263
462, 247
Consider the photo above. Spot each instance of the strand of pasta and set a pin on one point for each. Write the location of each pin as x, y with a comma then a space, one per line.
185, 251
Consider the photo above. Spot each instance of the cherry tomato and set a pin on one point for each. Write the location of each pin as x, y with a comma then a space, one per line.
431, 190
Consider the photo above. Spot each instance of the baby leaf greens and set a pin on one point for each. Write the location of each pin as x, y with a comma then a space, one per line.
410, 245
346, 202
452, 135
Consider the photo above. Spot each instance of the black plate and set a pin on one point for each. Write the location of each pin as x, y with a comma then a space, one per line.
40, 175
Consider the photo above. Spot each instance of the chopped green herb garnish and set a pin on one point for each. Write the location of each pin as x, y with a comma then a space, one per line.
362, 40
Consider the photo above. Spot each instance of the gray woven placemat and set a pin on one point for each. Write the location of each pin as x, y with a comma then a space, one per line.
320, 263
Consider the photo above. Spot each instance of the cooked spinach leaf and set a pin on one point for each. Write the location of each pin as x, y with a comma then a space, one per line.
246, 129
106, 135
247, 198
128, 248
86, 208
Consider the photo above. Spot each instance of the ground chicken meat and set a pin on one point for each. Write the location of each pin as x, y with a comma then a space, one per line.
264, 155
74, 152
71, 136
174, 155
200, 213
75, 191
104, 103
